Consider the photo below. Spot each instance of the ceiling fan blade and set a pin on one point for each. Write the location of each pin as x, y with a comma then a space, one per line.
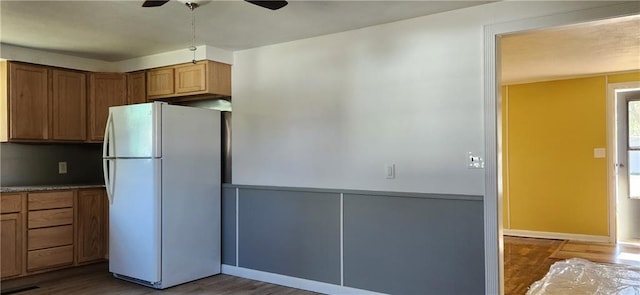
273, 5
154, 3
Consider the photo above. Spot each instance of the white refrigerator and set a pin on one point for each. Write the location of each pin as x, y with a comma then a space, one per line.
162, 174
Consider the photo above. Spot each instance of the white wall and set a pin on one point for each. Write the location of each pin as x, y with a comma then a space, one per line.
332, 111
16, 53
174, 57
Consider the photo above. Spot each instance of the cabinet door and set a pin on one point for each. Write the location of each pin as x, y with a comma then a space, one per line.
190, 78
68, 105
28, 95
105, 90
11, 244
219, 78
91, 235
160, 82
136, 88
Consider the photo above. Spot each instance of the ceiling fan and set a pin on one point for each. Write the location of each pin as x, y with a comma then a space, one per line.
273, 5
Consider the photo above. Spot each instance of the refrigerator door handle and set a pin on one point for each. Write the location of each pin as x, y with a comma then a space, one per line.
109, 180
106, 141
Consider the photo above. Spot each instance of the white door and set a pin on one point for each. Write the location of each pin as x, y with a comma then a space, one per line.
628, 166
134, 218
133, 131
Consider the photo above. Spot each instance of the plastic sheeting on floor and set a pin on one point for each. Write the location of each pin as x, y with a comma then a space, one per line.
580, 276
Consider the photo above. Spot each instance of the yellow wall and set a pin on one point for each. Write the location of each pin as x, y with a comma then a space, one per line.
554, 184
624, 77
505, 175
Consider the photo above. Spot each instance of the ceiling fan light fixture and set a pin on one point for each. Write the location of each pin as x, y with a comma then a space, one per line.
192, 5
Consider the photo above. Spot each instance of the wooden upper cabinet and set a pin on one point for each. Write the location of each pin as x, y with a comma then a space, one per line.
190, 78
136, 87
105, 90
40, 103
190, 81
24, 102
160, 82
219, 78
68, 105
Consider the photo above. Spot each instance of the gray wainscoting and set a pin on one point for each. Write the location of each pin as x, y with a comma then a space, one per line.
400, 245
392, 242
291, 233
228, 226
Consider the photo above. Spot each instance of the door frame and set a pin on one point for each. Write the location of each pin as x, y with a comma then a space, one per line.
493, 242
611, 153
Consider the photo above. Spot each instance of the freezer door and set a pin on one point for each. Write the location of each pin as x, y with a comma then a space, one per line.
134, 219
133, 131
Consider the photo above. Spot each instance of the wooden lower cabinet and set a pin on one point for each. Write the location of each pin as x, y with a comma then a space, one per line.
11, 245
91, 225
51, 217
48, 237
50, 258
49, 230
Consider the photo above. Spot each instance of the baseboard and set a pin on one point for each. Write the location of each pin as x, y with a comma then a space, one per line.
293, 282
631, 242
556, 236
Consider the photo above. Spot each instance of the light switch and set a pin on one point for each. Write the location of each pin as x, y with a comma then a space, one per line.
390, 171
62, 167
599, 153
474, 162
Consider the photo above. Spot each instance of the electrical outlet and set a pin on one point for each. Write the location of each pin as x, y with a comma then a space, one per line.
62, 167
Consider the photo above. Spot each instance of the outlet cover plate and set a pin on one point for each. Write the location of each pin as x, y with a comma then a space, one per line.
62, 167
474, 162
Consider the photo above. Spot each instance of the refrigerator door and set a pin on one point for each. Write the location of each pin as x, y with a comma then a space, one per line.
134, 219
133, 131
190, 194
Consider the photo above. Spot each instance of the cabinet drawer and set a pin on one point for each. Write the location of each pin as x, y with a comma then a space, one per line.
50, 200
53, 217
49, 237
51, 257
10, 203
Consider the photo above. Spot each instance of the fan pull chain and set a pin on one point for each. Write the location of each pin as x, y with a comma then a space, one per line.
193, 31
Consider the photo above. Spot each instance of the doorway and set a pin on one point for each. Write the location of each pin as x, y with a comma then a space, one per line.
624, 100
555, 152
493, 144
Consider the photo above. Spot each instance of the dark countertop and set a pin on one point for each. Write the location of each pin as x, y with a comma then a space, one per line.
49, 187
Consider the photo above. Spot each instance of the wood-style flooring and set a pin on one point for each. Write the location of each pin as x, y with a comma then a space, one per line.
526, 260
98, 281
617, 254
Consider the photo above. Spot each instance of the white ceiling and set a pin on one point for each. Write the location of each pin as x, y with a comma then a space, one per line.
119, 30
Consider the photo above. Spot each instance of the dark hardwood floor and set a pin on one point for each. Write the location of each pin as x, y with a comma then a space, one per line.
97, 280
526, 260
